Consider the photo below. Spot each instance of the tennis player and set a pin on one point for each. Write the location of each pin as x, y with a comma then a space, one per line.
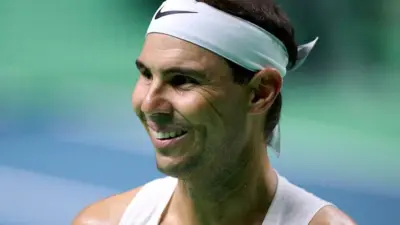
209, 97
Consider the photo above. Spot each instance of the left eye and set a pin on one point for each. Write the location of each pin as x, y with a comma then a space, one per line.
179, 80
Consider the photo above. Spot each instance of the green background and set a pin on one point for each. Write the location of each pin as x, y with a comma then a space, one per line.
66, 76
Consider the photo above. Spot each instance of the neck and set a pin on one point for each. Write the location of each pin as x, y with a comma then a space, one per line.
240, 193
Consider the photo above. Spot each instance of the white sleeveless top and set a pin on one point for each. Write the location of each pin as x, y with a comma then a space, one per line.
291, 205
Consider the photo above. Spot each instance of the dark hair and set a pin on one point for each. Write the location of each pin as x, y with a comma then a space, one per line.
267, 15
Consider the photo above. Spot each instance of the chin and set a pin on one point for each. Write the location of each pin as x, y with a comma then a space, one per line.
179, 167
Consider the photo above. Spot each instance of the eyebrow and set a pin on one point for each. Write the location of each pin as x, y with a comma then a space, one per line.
171, 70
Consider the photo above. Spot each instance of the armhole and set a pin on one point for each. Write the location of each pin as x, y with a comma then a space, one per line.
308, 203
317, 206
293, 205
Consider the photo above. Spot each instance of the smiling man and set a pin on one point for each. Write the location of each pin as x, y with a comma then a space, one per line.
209, 97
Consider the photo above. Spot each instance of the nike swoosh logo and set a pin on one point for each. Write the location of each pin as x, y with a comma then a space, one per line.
161, 14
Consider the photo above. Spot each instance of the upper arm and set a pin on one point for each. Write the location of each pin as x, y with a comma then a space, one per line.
107, 211
330, 215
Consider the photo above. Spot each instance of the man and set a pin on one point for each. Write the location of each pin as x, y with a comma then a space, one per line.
209, 97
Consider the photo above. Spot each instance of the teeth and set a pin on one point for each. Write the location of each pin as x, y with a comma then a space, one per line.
167, 135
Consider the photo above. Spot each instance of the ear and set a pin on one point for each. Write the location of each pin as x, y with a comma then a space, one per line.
264, 87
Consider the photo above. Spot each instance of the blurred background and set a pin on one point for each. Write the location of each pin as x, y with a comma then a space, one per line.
69, 137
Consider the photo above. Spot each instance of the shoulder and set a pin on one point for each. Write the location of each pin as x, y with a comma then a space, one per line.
330, 215
106, 211
325, 215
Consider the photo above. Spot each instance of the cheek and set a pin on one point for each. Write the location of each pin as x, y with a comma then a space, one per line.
204, 109
191, 106
138, 96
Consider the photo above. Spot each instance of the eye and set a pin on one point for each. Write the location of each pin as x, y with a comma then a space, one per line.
146, 74
180, 80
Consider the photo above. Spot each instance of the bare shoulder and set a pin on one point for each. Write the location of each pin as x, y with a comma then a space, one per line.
330, 215
107, 211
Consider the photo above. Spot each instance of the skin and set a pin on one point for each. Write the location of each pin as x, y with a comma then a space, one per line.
221, 162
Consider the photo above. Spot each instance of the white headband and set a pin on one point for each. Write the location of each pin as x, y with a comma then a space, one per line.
231, 37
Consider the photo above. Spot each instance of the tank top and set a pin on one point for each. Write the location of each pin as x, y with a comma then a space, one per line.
291, 204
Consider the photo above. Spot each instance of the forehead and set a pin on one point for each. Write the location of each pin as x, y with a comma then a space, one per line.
162, 51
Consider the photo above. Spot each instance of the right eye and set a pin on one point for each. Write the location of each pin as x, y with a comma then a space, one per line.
146, 74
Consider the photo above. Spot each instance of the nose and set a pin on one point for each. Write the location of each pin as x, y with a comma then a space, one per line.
156, 100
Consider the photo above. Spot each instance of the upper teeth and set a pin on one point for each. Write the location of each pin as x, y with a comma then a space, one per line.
164, 135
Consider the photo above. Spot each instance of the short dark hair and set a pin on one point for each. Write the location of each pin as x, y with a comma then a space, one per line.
267, 15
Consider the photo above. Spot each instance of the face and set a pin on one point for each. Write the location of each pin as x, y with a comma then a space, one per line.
194, 113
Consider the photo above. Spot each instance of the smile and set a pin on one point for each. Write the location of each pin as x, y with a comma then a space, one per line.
165, 141
168, 135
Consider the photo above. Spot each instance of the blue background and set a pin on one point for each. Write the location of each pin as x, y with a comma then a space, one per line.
68, 135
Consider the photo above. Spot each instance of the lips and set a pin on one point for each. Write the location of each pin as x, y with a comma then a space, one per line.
167, 137
164, 143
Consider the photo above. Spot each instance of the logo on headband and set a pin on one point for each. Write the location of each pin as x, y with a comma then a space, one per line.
161, 14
